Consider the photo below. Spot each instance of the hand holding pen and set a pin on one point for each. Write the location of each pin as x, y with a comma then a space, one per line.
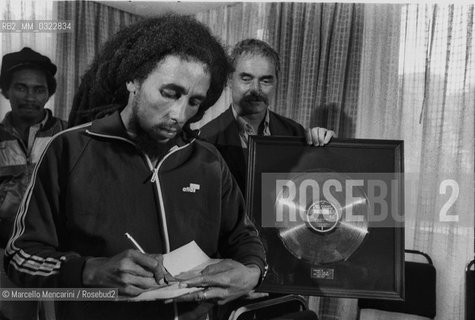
167, 278
131, 271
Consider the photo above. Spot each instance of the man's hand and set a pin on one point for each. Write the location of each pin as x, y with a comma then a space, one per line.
319, 136
223, 282
131, 272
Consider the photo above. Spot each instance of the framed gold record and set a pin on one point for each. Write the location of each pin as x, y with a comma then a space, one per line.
331, 218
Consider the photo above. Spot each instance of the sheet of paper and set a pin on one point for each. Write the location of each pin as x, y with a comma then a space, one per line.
183, 263
168, 292
184, 258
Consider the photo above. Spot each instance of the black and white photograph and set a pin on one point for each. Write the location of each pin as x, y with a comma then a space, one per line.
228, 160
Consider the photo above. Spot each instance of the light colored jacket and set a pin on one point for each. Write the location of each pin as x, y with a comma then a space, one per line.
16, 166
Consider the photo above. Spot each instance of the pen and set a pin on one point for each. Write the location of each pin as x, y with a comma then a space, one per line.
135, 243
139, 248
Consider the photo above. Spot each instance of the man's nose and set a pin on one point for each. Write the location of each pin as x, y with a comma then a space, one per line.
178, 110
256, 86
30, 94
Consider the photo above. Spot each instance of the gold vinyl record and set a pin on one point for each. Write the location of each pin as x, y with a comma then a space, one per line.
333, 217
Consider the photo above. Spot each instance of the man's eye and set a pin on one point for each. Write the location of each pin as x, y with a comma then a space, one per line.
195, 102
169, 93
246, 78
267, 81
20, 88
40, 90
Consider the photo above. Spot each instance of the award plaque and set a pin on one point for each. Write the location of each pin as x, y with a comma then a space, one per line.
331, 217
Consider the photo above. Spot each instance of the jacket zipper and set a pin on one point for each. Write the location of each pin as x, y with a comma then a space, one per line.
155, 180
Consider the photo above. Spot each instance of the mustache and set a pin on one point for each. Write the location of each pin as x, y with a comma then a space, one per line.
255, 96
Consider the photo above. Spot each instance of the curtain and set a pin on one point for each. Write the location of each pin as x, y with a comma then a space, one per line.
319, 46
25, 11
320, 49
93, 24
230, 24
427, 99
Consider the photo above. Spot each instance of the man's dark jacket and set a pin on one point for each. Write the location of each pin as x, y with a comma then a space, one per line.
223, 133
93, 184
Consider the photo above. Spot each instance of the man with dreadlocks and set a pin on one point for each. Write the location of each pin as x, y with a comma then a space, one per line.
139, 170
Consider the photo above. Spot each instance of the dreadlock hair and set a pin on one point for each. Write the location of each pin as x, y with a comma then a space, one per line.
134, 52
255, 47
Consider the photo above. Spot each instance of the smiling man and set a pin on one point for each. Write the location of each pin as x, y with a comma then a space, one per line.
130, 172
27, 81
252, 86
253, 83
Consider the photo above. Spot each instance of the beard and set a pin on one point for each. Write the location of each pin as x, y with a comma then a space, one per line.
147, 140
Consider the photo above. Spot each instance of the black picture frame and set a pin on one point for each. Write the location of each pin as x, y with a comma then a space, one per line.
376, 268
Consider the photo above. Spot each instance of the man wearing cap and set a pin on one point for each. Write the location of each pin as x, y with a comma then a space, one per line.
27, 81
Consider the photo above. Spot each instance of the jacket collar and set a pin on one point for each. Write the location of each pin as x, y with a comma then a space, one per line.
110, 125
228, 133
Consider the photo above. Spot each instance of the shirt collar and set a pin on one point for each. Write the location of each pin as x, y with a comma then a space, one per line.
45, 119
245, 127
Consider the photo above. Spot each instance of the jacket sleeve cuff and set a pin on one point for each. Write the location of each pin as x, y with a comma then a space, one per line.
71, 272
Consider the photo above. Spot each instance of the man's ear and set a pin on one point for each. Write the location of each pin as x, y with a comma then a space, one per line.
132, 86
230, 80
